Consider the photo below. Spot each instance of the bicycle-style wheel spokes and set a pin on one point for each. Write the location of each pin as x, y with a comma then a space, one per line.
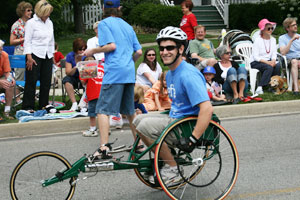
209, 172
28, 176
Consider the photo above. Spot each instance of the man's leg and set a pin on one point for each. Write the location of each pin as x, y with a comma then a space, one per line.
103, 121
9, 93
294, 72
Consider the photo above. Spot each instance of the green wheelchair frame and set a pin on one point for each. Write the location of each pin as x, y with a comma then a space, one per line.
217, 157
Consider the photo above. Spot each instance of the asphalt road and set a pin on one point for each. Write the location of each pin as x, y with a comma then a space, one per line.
268, 146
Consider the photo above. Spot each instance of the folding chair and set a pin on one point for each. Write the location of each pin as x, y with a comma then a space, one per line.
19, 61
9, 49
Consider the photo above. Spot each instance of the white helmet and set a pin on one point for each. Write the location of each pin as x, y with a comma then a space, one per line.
172, 33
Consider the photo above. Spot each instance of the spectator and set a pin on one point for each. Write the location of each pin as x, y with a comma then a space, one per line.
289, 45
264, 53
149, 70
202, 48
39, 50
121, 47
58, 56
186, 88
232, 77
139, 99
93, 87
157, 97
6, 81
72, 81
187, 24
94, 42
17, 33
212, 86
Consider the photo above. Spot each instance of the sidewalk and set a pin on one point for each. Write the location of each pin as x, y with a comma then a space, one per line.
80, 124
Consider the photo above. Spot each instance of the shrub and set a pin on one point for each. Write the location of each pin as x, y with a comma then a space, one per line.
155, 15
246, 16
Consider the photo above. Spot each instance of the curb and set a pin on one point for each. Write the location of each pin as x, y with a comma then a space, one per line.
81, 123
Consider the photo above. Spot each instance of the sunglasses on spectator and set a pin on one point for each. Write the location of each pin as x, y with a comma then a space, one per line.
44, 4
294, 25
150, 54
228, 53
82, 49
169, 48
28, 10
270, 28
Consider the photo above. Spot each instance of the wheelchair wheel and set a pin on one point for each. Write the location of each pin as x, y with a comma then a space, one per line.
26, 179
144, 173
209, 172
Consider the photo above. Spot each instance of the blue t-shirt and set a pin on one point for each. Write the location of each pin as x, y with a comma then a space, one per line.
186, 88
119, 65
294, 51
70, 58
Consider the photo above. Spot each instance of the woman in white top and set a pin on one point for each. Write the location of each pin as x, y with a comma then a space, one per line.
264, 54
39, 50
149, 70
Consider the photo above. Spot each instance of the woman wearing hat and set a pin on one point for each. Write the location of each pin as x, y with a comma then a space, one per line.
230, 75
264, 54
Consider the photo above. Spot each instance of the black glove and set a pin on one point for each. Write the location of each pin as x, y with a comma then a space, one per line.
187, 144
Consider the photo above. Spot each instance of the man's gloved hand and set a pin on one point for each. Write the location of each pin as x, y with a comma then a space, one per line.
187, 144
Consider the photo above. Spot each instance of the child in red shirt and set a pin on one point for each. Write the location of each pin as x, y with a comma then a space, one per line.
93, 87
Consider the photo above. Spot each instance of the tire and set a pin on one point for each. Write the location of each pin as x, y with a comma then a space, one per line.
25, 181
209, 172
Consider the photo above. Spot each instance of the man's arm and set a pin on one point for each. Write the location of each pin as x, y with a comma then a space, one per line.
285, 49
106, 48
204, 117
137, 55
195, 55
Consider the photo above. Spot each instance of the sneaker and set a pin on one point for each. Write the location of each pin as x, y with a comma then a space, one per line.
259, 91
74, 107
116, 121
169, 176
90, 133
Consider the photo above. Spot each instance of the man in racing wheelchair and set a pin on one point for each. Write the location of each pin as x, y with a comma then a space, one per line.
187, 90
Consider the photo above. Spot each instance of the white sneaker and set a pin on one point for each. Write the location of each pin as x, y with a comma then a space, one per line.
259, 90
90, 133
116, 121
168, 175
74, 107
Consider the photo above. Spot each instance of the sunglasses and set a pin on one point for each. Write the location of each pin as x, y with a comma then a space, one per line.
151, 55
169, 48
228, 53
28, 10
294, 25
82, 49
270, 28
44, 4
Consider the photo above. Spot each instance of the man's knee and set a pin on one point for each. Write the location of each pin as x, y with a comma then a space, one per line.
294, 63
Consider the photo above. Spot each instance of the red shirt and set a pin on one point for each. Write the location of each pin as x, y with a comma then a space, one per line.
93, 86
58, 56
187, 24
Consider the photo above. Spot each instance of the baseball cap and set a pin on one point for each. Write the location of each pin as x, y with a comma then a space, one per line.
262, 24
111, 3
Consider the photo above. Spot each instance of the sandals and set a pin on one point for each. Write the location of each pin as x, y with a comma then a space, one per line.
255, 98
245, 99
103, 154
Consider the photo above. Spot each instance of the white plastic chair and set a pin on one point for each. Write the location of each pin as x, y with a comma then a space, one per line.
244, 50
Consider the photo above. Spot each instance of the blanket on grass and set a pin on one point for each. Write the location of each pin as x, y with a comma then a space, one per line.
25, 116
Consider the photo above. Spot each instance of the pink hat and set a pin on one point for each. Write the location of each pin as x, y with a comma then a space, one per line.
262, 24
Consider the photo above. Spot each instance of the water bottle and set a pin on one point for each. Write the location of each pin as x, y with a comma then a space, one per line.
9, 78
